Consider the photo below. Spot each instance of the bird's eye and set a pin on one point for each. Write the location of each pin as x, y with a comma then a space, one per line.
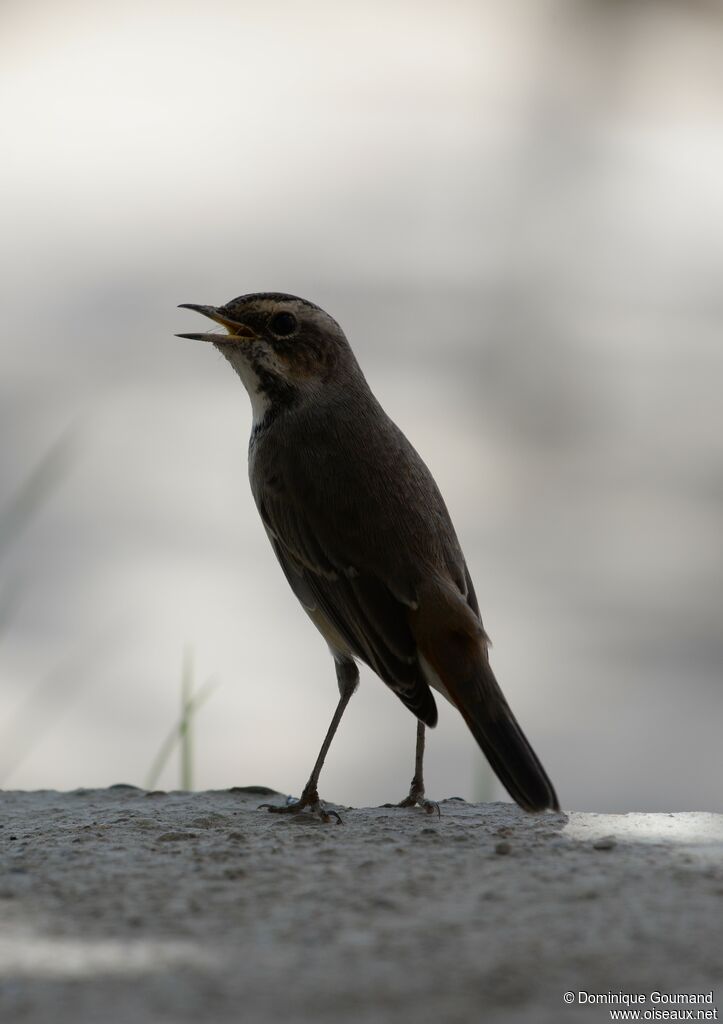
282, 324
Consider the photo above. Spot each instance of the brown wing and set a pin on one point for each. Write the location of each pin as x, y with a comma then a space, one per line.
360, 607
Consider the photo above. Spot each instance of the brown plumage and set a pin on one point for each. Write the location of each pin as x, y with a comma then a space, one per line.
363, 534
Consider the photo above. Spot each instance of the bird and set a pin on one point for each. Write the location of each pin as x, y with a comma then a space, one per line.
364, 538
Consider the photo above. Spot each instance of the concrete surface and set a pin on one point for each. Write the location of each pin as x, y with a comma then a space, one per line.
124, 906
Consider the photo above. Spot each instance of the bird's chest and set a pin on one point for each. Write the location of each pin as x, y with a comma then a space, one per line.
285, 462
270, 453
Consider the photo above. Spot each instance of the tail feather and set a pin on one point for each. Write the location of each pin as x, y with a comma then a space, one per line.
453, 644
508, 751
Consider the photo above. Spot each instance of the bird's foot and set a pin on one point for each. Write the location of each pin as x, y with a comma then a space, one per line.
416, 798
430, 806
308, 801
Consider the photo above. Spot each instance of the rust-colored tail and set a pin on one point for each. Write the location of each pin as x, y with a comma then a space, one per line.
452, 641
504, 744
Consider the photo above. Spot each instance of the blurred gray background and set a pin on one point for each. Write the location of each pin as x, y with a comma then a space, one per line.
516, 212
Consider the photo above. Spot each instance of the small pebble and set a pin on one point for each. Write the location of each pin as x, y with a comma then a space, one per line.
503, 848
606, 843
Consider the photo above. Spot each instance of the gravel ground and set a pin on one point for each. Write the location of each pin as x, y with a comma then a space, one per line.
120, 905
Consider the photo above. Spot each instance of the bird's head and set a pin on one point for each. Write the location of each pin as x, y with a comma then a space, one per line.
283, 348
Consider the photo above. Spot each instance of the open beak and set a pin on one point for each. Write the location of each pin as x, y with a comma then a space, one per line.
236, 331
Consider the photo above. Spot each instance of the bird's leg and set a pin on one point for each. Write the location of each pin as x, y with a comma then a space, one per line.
347, 675
416, 796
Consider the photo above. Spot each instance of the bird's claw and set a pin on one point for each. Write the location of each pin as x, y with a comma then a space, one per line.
429, 806
418, 799
306, 802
